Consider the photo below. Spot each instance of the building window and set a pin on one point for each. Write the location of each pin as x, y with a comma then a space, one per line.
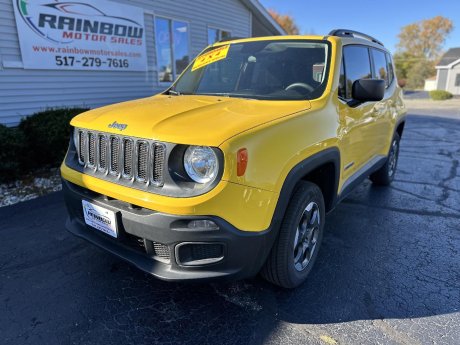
215, 35
173, 51
457, 80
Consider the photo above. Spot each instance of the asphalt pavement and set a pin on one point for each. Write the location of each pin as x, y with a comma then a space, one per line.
388, 273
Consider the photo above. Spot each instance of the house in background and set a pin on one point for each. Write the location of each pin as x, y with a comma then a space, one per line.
98, 52
430, 84
448, 72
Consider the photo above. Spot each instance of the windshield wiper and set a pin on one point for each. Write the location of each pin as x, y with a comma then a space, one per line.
229, 95
174, 92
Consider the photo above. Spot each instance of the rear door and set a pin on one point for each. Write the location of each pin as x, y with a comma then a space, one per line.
382, 110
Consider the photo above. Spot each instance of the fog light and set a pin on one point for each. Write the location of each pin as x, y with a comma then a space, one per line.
202, 224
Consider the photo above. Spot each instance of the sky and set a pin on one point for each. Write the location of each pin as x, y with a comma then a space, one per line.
381, 19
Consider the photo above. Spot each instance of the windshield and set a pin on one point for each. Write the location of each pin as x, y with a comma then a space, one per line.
273, 70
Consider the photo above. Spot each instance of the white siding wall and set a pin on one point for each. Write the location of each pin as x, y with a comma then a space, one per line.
23, 92
451, 80
442, 79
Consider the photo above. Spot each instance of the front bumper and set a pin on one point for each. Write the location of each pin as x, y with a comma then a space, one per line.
246, 208
163, 245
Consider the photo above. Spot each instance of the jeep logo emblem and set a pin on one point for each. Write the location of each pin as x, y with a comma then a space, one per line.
119, 126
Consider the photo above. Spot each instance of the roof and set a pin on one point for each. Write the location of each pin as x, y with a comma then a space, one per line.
451, 56
262, 14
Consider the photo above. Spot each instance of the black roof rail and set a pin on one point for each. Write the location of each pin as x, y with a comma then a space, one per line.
352, 33
230, 39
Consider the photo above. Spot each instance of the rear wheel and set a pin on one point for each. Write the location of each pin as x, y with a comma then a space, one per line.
294, 252
385, 175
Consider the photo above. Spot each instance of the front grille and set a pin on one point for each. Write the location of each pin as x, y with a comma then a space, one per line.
114, 154
81, 147
102, 147
128, 158
153, 249
161, 250
158, 164
91, 149
141, 161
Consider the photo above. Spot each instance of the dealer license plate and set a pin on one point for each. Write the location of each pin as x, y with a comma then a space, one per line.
100, 218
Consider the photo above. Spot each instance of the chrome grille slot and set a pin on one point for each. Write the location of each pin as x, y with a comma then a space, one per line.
142, 161
158, 159
91, 150
128, 147
114, 155
81, 147
102, 152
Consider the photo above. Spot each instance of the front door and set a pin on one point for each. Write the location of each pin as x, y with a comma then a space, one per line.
358, 122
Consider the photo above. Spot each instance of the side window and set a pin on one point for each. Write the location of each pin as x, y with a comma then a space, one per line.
357, 66
391, 73
380, 65
342, 88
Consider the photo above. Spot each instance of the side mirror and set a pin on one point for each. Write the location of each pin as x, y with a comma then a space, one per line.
368, 90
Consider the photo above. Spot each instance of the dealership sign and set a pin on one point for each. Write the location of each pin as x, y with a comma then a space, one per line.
83, 35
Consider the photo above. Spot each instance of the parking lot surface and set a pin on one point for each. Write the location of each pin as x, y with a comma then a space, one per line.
388, 273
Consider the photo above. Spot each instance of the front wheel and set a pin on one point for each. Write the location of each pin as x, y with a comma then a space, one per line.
294, 252
385, 175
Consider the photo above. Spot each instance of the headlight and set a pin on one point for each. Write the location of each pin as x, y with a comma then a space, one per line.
201, 164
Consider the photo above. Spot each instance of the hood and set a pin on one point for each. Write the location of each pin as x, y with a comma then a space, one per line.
187, 119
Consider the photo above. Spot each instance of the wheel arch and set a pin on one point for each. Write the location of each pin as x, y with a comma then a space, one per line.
399, 128
319, 169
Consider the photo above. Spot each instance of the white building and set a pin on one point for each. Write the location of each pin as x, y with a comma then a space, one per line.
430, 84
448, 76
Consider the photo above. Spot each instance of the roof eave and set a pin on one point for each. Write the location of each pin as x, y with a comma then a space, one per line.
452, 64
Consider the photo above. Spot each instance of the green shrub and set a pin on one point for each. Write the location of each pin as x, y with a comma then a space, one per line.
440, 95
12, 148
47, 135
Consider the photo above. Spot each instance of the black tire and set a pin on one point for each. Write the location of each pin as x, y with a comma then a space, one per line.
281, 268
385, 175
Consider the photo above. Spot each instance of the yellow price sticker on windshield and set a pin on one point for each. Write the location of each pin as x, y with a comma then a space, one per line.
210, 57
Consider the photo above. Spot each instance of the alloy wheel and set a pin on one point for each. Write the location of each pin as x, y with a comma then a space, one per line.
306, 236
393, 158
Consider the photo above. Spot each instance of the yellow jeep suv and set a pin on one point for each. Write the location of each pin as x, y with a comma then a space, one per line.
231, 170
